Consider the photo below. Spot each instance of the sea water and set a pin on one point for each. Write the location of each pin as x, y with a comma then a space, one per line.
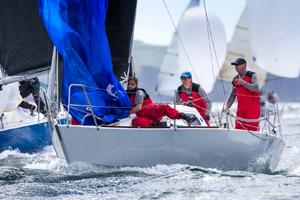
44, 176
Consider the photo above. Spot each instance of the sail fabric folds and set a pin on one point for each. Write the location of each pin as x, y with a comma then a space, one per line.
77, 29
274, 27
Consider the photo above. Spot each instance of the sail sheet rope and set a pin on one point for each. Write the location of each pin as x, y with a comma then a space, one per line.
180, 40
212, 46
211, 38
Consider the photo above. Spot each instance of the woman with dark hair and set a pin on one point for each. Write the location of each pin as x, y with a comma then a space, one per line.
149, 114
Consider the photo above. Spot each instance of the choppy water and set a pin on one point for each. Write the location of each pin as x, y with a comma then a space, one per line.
44, 176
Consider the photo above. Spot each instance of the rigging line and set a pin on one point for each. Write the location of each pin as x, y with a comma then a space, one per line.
210, 38
210, 51
181, 42
214, 47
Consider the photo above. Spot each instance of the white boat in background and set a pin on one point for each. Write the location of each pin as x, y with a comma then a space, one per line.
25, 52
18, 129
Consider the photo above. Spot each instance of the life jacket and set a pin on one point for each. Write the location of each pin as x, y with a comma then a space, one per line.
131, 94
198, 101
247, 99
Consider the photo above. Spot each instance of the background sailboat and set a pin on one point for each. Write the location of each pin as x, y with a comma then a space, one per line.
191, 49
275, 40
240, 47
25, 52
268, 44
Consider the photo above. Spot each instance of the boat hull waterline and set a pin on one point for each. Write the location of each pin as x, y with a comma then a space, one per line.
29, 138
205, 147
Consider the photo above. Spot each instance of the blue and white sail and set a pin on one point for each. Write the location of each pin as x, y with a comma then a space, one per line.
77, 29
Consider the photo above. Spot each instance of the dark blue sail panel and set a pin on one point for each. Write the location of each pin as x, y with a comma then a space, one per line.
77, 29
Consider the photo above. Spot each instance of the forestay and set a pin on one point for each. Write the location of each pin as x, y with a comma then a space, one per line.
190, 50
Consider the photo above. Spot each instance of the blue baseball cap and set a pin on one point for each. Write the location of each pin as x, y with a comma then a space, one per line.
239, 61
186, 75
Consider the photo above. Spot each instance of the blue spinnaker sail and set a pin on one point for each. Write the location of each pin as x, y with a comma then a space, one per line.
77, 29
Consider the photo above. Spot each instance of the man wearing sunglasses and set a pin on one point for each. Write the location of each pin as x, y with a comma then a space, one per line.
246, 89
148, 113
193, 94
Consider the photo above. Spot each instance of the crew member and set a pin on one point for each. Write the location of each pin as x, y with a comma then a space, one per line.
193, 94
148, 113
272, 97
31, 86
246, 89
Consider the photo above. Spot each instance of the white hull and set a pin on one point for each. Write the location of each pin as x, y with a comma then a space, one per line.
206, 147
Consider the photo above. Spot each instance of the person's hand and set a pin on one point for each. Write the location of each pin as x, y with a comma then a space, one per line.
190, 104
240, 81
225, 109
207, 117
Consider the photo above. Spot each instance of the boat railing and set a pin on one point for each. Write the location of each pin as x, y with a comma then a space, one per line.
269, 124
89, 107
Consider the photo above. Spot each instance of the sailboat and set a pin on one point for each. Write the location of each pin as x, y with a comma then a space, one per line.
276, 48
105, 135
25, 52
192, 50
267, 52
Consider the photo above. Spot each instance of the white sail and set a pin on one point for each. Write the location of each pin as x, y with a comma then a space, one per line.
4, 99
190, 50
14, 97
168, 77
274, 27
194, 35
10, 97
240, 47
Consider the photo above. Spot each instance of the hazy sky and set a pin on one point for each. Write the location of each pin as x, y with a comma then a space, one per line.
153, 24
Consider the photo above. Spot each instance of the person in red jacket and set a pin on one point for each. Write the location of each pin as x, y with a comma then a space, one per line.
193, 94
149, 114
246, 89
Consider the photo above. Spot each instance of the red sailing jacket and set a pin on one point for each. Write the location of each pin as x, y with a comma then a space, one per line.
131, 94
198, 101
246, 99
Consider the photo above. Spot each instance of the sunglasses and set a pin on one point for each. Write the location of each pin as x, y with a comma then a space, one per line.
184, 78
